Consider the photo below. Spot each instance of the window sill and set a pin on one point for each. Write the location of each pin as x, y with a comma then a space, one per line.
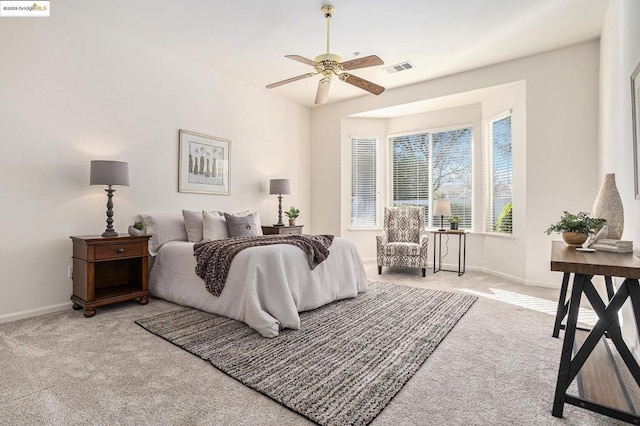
499, 235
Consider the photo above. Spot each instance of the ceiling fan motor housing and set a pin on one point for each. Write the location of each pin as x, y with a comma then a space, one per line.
328, 57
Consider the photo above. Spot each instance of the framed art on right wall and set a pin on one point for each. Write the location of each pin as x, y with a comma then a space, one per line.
635, 109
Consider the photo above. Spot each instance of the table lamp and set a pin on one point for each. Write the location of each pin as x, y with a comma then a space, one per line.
109, 173
441, 208
279, 186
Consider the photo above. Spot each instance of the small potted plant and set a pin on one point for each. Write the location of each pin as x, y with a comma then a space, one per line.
292, 214
136, 229
454, 221
575, 228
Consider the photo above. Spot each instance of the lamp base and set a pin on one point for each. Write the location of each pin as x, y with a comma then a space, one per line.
441, 224
278, 224
110, 232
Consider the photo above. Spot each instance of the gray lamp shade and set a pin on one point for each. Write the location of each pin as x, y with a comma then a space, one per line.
441, 208
279, 186
109, 173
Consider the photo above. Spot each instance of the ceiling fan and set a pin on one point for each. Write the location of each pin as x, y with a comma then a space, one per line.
329, 64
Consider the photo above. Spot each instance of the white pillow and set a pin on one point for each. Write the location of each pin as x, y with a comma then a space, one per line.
163, 228
214, 226
194, 225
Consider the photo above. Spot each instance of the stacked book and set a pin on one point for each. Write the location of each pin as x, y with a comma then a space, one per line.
616, 246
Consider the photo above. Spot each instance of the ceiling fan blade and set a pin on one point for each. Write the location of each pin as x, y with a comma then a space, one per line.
323, 91
302, 59
362, 83
291, 80
367, 61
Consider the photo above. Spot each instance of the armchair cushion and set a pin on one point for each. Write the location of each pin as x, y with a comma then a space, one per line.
402, 249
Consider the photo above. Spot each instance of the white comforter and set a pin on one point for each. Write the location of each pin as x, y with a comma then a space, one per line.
266, 287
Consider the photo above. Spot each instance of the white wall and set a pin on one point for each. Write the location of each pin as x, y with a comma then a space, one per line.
71, 92
561, 149
620, 54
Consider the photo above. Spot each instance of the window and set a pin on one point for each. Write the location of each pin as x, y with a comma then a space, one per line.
410, 177
434, 165
364, 182
499, 188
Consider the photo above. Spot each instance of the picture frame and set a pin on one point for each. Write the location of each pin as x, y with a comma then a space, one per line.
635, 110
204, 164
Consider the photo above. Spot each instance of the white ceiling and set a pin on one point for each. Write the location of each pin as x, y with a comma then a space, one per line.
247, 39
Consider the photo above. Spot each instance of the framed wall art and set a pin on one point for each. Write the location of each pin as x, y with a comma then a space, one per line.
635, 109
204, 164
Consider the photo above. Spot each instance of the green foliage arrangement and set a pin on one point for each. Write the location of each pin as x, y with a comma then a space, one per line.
504, 223
580, 223
138, 225
454, 219
292, 213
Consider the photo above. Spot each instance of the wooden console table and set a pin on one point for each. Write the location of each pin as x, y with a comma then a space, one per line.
584, 265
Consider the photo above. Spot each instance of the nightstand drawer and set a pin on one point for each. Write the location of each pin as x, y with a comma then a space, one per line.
115, 251
275, 230
290, 230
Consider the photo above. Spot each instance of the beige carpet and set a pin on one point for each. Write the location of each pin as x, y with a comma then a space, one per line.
498, 366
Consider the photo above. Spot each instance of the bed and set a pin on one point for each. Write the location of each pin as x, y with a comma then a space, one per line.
266, 287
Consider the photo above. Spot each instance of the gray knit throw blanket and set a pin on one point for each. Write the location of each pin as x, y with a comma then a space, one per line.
213, 258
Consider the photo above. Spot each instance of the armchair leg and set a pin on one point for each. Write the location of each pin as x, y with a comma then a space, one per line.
424, 272
379, 270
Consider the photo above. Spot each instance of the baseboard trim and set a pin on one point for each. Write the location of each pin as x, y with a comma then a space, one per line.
503, 275
15, 316
454, 267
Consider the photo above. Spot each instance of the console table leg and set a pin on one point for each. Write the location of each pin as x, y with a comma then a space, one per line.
567, 346
562, 305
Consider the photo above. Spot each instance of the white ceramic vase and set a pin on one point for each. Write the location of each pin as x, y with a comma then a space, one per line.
608, 205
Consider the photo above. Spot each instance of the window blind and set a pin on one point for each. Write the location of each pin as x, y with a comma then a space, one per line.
499, 186
453, 173
434, 165
364, 182
410, 166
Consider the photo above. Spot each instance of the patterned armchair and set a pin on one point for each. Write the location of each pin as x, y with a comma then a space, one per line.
404, 240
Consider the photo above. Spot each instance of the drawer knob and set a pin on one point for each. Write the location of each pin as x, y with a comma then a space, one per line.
120, 250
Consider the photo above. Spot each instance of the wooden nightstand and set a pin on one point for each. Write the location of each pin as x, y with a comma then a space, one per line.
273, 230
109, 270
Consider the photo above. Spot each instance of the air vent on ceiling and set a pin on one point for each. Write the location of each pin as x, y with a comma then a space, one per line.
403, 66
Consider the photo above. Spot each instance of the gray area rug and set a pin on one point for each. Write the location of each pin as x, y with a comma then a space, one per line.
344, 365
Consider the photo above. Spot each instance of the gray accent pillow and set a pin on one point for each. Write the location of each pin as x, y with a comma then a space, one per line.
243, 226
